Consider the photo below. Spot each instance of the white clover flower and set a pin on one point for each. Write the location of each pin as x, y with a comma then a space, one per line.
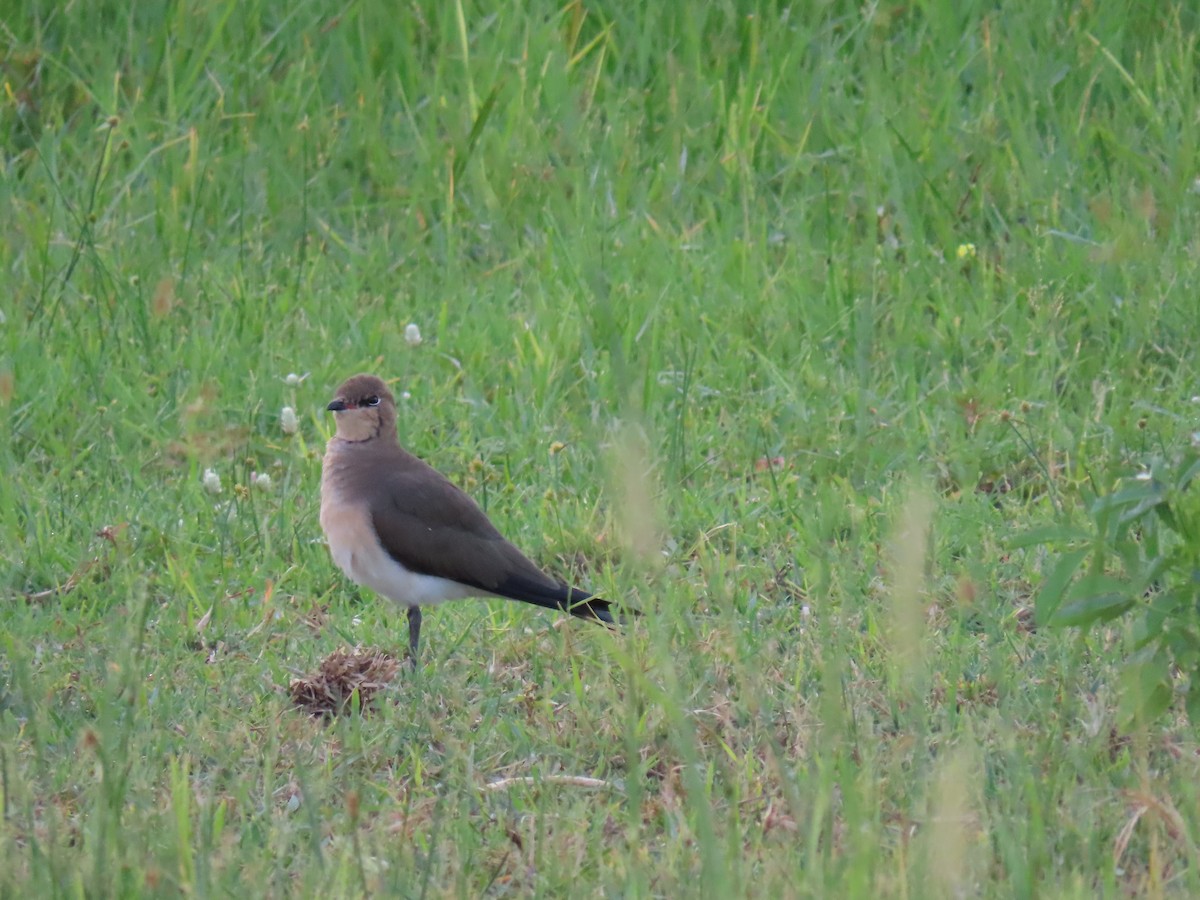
288, 421
405, 395
412, 334
261, 480
212, 481
292, 379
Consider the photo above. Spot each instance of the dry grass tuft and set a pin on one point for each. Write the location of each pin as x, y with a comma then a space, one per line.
330, 690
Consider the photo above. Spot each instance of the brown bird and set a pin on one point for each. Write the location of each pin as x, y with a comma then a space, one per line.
400, 527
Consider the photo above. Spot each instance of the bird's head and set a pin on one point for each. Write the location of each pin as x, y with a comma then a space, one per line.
364, 409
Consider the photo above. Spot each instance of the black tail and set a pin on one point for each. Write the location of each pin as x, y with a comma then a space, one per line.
586, 606
549, 595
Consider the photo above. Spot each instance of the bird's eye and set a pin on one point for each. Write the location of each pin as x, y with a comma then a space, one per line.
371, 401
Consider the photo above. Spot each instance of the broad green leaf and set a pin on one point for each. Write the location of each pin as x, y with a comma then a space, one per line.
1050, 595
1047, 534
1193, 699
1138, 492
1189, 474
1151, 623
1146, 629
1095, 598
1159, 498
1168, 517
1146, 689
1183, 643
1157, 568
1130, 554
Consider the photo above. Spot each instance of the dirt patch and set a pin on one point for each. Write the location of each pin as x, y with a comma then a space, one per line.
330, 690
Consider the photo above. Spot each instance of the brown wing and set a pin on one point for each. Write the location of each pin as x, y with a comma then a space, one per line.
428, 525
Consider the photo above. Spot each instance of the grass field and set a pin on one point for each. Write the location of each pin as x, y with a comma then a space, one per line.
776, 322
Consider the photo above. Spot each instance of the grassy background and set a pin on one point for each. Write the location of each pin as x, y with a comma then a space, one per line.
776, 321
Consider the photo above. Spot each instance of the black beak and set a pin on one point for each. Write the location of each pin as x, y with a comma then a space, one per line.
338, 405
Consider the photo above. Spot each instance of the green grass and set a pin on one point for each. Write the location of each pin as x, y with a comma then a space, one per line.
937, 261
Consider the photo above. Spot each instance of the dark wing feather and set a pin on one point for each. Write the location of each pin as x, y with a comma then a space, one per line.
428, 525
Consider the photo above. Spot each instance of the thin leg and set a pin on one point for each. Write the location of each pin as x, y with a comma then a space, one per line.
414, 633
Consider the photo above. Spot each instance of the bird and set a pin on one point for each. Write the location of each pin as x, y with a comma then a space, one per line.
400, 527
